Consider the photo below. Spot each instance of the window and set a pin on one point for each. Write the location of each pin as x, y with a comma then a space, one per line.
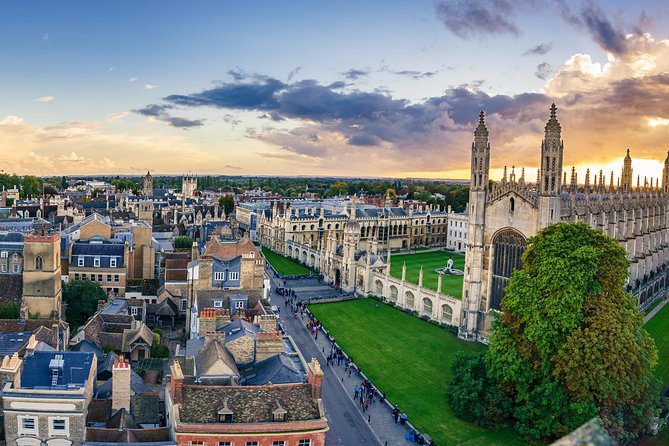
99, 277
279, 443
116, 278
251, 443
134, 311
304, 443
76, 276
224, 443
96, 262
224, 417
184, 304
112, 263
233, 276
239, 304
59, 426
4, 254
218, 304
219, 276
197, 443
4, 267
109, 277
27, 425
38, 263
80, 261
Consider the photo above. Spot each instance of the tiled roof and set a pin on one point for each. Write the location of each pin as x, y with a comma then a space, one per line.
215, 360
11, 288
237, 329
277, 369
13, 342
137, 386
230, 250
249, 404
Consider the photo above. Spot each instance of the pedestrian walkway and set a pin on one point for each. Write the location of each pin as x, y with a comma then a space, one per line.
650, 315
379, 414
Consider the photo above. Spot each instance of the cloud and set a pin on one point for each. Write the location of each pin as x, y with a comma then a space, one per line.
161, 113
44, 99
544, 70
72, 158
415, 74
45, 37
602, 31
293, 73
355, 74
111, 69
112, 117
228, 166
258, 95
150, 86
538, 50
133, 79
466, 18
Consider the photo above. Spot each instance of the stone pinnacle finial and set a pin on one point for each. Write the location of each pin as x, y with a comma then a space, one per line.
481, 118
553, 111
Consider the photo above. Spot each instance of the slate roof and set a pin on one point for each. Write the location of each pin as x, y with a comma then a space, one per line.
11, 237
106, 251
76, 368
88, 346
215, 360
13, 342
141, 334
238, 328
277, 369
104, 437
206, 298
249, 404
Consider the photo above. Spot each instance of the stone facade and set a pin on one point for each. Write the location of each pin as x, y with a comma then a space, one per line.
42, 287
147, 186
189, 185
503, 216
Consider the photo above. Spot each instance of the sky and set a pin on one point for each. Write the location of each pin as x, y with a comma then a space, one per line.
345, 88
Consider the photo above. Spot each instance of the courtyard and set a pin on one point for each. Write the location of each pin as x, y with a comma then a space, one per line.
409, 360
430, 261
283, 265
658, 327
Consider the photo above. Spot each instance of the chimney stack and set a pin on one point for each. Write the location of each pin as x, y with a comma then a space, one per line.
121, 385
315, 378
176, 383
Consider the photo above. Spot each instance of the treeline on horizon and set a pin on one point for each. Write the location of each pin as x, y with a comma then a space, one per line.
455, 194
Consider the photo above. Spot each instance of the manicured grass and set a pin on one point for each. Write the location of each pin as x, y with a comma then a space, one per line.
410, 361
451, 285
652, 307
658, 327
283, 265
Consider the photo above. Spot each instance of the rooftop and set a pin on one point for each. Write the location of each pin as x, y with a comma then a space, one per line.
56, 370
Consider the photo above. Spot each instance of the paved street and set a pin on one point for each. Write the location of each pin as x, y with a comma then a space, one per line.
348, 425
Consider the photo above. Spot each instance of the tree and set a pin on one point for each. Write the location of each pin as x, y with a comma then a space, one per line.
81, 298
183, 243
391, 195
227, 202
569, 343
337, 189
10, 310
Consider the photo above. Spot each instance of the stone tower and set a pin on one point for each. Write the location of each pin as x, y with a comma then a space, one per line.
550, 181
147, 189
665, 175
626, 176
42, 290
189, 185
350, 244
472, 306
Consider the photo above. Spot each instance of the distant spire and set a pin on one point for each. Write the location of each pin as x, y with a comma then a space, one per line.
504, 177
522, 175
611, 183
482, 118
512, 177
553, 111
587, 179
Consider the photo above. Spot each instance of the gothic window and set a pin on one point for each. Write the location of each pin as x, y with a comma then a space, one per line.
512, 204
393, 293
446, 314
379, 287
508, 247
409, 299
38, 263
427, 307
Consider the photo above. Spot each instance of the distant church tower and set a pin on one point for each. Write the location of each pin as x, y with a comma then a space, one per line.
42, 289
552, 150
472, 305
665, 175
189, 185
626, 177
147, 190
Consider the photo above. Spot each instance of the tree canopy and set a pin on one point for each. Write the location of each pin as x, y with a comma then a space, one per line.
569, 343
81, 297
227, 202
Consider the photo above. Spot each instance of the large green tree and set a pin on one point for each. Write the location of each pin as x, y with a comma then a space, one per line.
227, 202
81, 298
569, 343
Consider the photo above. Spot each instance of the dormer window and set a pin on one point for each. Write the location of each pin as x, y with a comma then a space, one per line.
112, 263
96, 262
279, 414
80, 261
225, 415
218, 304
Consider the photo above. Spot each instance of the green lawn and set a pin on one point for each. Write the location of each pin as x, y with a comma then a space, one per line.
284, 266
658, 327
410, 361
451, 285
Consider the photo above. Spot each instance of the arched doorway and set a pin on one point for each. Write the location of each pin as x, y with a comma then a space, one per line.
337, 278
508, 246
